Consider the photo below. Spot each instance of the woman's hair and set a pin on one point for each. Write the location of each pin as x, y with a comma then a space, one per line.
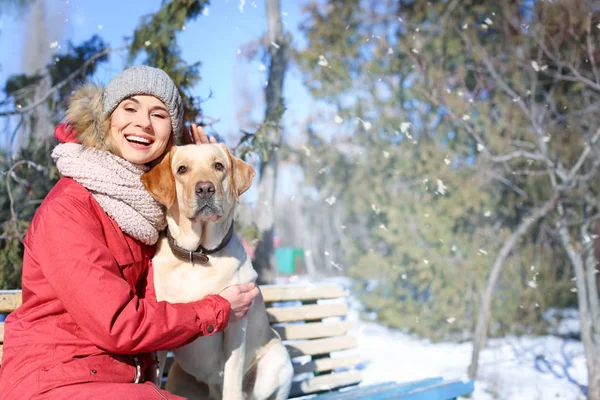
91, 106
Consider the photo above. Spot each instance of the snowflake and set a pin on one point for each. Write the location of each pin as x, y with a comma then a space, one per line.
480, 147
323, 61
537, 67
147, 43
241, 5
54, 45
382, 226
337, 119
404, 127
451, 320
330, 200
441, 188
532, 284
487, 214
447, 160
100, 27
338, 266
374, 207
386, 154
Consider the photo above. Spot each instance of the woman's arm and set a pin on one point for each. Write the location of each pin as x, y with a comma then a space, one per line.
67, 241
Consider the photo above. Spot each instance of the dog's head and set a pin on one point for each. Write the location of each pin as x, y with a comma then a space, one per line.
203, 182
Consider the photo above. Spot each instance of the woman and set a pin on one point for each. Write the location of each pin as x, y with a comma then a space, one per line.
89, 325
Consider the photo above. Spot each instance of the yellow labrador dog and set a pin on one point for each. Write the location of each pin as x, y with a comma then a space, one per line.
201, 254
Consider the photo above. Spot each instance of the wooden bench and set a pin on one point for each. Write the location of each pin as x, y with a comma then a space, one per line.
311, 319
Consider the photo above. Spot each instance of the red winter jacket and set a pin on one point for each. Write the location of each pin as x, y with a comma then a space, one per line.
86, 306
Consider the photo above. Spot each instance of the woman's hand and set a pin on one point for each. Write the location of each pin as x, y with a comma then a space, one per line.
196, 134
240, 297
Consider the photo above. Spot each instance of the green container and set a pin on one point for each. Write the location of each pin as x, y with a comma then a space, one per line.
289, 259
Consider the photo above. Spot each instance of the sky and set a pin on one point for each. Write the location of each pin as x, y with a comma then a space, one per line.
215, 39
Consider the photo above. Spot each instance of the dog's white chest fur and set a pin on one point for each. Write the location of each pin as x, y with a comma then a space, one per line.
178, 281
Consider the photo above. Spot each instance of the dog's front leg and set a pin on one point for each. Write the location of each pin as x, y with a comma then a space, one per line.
234, 345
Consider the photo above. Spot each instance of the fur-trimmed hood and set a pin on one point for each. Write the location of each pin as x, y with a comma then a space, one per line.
86, 116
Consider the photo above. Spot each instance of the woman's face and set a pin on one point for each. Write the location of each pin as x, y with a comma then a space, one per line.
141, 128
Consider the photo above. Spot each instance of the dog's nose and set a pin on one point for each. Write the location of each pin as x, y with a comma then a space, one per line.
205, 189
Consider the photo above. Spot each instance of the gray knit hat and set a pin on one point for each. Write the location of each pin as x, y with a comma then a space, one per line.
142, 79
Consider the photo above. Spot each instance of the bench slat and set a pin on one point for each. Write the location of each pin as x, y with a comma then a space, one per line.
302, 293
325, 382
321, 346
307, 312
9, 301
313, 330
326, 364
367, 392
446, 390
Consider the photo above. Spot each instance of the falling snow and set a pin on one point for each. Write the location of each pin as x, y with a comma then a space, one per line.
441, 188
322, 61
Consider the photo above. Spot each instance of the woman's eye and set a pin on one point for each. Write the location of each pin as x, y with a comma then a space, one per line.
182, 170
159, 116
219, 166
130, 109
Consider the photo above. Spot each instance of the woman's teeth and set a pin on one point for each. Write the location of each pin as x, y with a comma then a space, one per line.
137, 139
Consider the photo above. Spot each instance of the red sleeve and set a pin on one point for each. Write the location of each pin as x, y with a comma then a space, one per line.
67, 241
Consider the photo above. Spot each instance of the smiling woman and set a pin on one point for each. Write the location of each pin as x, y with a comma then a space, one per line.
90, 324
141, 129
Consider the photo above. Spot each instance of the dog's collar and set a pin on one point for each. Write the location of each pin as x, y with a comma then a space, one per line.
200, 255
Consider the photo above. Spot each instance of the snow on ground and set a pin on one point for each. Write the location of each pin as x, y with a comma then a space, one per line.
511, 368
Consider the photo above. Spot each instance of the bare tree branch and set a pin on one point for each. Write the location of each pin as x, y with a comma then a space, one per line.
59, 85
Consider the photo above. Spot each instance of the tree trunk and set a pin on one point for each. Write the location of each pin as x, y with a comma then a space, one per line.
594, 379
587, 298
278, 50
35, 55
484, 317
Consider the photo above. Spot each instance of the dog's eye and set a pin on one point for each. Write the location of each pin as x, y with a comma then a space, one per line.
219, 166
182, 170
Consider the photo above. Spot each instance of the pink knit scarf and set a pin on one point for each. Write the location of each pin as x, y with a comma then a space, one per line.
115, 184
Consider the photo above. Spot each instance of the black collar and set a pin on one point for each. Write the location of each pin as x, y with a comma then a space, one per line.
200, 255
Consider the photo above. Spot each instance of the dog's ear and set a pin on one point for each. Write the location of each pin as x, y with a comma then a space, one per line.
240, 174
159, 181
